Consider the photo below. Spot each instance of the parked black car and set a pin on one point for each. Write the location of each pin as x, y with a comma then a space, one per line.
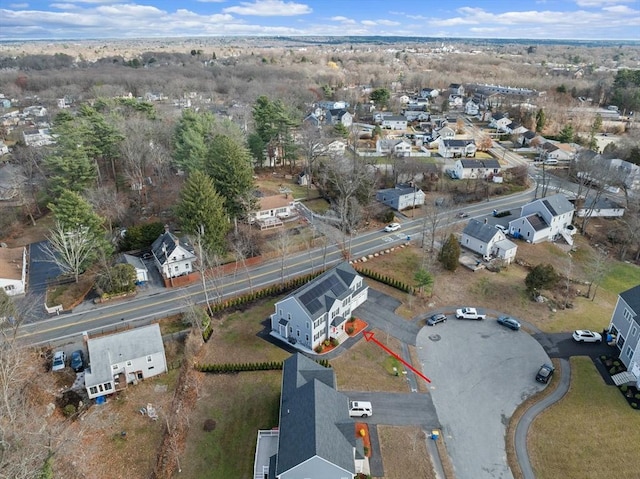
77, 361
544, 373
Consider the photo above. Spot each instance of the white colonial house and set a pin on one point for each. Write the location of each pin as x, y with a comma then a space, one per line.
173, 257
545, 219
123, 358
320, 309
394, 122
13, 270
499, 121
476, 169
399, 147
452, 148
487, 240
315, 437
625, 329
401, 197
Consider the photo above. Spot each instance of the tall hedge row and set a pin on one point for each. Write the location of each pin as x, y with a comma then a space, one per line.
394, 283
232, 368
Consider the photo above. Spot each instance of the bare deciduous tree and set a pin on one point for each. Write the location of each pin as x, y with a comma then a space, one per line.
70, 250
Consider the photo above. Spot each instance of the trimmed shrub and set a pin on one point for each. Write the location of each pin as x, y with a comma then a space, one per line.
69, 410
624, 388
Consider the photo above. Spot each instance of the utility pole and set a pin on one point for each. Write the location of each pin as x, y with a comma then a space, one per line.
202, 270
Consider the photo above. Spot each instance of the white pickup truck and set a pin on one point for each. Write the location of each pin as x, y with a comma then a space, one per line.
469, 313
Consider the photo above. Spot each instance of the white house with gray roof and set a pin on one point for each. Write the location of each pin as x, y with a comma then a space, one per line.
123, 358
315, 438
172, 256
320, 309
476, 169
401, 197
545, 219
625, 328
488, 241
454, 148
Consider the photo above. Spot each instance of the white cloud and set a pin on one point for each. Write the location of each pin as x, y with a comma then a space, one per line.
369, 23
18, 5
600, 3
270, 8
64, 6
343, 20
388, 23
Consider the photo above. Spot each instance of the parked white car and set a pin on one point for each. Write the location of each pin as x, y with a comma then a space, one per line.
469, 313
586, 336
392, 227
59, 361
360, 409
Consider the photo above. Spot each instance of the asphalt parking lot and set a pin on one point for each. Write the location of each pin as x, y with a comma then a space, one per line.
480, 373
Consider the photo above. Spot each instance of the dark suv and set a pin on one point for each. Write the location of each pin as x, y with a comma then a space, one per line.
436, 318
544, 373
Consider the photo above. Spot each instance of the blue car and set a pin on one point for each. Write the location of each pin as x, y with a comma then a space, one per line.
509, 322
77, 361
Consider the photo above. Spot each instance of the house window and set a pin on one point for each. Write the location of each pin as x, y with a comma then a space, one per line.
298, 332
177, 267
93, 390
629, 352
620, 342
129, 363
107, 386
149, 359
290, 330
150, 368
628, 315
307, 322
280, 312
100, 388
9, 287
307, 338
289, 316
114, 367
613, 330
634, 330
183, 256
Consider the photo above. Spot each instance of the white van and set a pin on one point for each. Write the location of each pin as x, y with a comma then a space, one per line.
550, 161
360, 409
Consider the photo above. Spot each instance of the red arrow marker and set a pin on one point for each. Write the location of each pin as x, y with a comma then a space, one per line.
369, 337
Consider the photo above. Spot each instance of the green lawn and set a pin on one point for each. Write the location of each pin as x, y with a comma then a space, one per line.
621, 277
592, 432
240, 405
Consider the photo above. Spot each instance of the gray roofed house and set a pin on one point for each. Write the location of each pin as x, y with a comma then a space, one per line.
601, 207
475, 169
315, 437
173, 256
545, 219
457, 148
319, 310
625, 329
142, 273
401, 197
488, 241
122, 358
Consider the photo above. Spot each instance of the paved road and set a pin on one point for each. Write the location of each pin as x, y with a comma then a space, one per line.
154, 304
522, 429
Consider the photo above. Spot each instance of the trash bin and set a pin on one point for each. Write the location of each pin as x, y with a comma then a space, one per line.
435, 435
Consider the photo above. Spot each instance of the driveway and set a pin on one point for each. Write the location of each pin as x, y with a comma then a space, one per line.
41, 269
480, 373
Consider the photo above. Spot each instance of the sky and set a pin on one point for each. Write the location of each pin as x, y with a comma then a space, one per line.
530, 19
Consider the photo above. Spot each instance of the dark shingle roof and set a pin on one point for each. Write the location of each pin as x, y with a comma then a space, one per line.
537, 222
491, 164
632, 298
480, 231
314, 419
317, 296
166, 243
457, 143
